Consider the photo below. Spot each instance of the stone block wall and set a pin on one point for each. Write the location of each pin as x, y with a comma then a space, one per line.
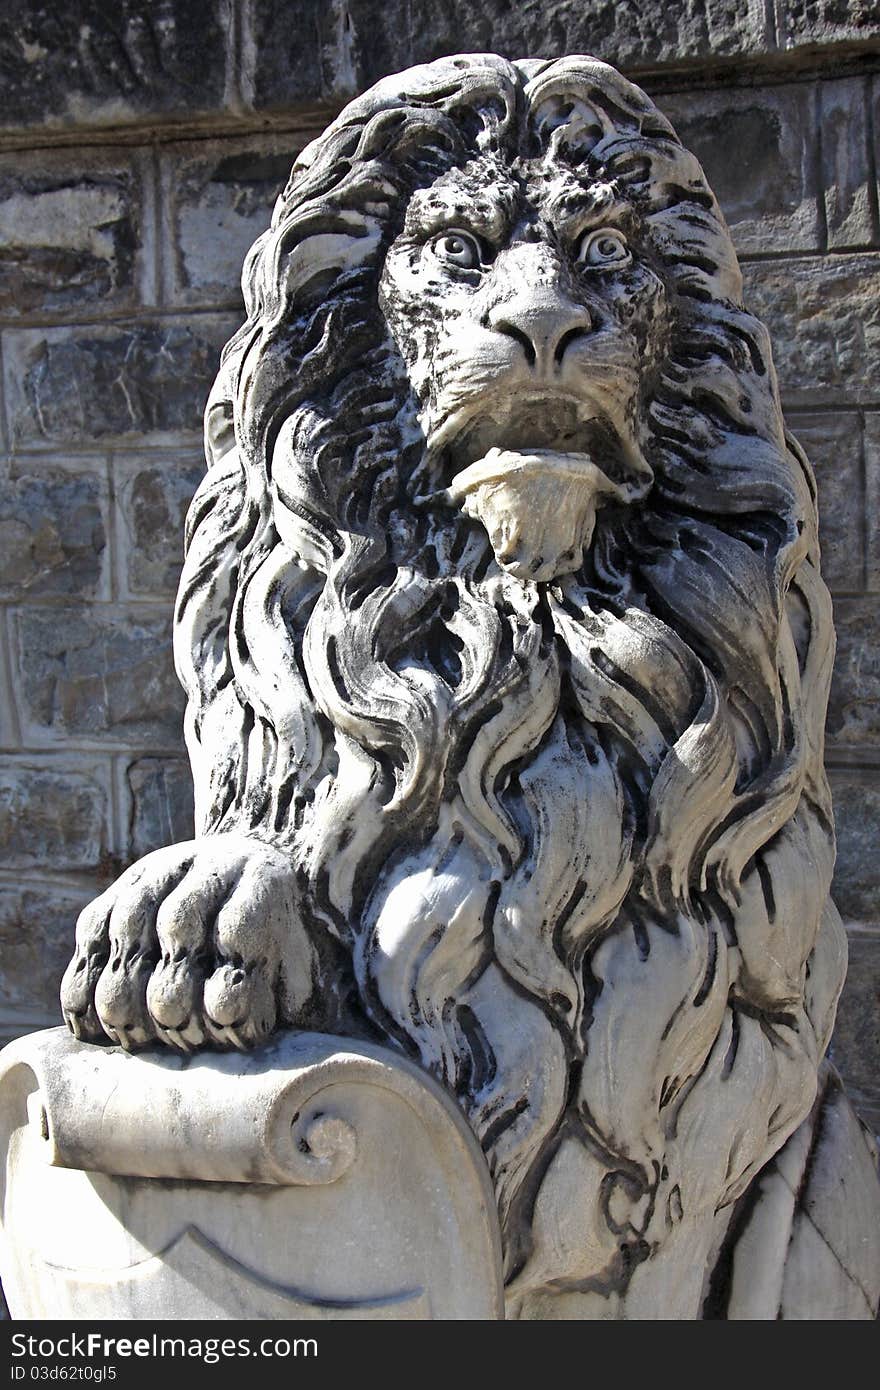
142, 143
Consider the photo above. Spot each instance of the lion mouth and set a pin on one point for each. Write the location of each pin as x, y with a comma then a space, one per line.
553, 424
520, 424
534, 472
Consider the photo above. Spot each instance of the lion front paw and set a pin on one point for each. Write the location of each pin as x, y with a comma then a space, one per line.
198, 943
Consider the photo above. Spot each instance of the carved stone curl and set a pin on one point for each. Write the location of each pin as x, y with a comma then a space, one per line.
269, 1195
507, 655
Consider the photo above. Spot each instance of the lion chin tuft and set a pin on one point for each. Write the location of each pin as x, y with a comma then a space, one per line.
507, 657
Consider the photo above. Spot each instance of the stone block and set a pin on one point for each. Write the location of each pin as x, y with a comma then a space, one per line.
53, 529
153, 495
160, 804
123, 381
71, 232
286, 63
855, 1046
825, 22
36, 940
758, 149
335, 49
854, 706
846, 180
107, 62
823, 314
856, 887
99, 674
219, 202
833, 444
872, 498
8, 714
53, 813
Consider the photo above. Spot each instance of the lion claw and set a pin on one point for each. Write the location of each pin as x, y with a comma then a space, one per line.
200, 943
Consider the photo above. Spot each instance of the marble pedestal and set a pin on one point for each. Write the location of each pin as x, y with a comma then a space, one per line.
315, 1178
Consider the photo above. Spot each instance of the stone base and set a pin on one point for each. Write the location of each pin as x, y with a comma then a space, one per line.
316, 1178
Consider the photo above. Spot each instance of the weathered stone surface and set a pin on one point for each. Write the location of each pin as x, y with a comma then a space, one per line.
53, 530
36, 932
801, 22
856, 888
285, 63
824, 318
110, 61
854, 706
152, 498
832, 1267
53, 812
819, 1196
872, 498
833, 444
160, 804
869, 1113
336, 49
131, 380
855, 1048
758, 148
846, 177
102, 674
98, 62
219, 202
71, 232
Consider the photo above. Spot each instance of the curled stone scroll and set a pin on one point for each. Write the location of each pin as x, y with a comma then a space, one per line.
507, 656
309, 1179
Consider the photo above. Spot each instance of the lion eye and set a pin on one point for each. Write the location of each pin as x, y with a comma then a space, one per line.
457, 248
606, 246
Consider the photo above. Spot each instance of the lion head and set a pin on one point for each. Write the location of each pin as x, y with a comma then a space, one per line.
502, 615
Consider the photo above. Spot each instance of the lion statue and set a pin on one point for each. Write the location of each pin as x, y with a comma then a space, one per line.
507, 657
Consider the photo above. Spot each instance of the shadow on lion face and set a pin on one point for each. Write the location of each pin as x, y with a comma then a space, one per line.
502, 616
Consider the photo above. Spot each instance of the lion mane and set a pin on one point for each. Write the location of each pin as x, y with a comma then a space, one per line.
569, 844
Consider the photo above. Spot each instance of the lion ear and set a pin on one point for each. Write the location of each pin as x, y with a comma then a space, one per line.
219, 416
219, 430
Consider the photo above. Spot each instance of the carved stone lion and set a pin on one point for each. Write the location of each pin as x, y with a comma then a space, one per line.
507, 656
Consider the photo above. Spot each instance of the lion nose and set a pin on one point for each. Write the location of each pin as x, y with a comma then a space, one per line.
545, 327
